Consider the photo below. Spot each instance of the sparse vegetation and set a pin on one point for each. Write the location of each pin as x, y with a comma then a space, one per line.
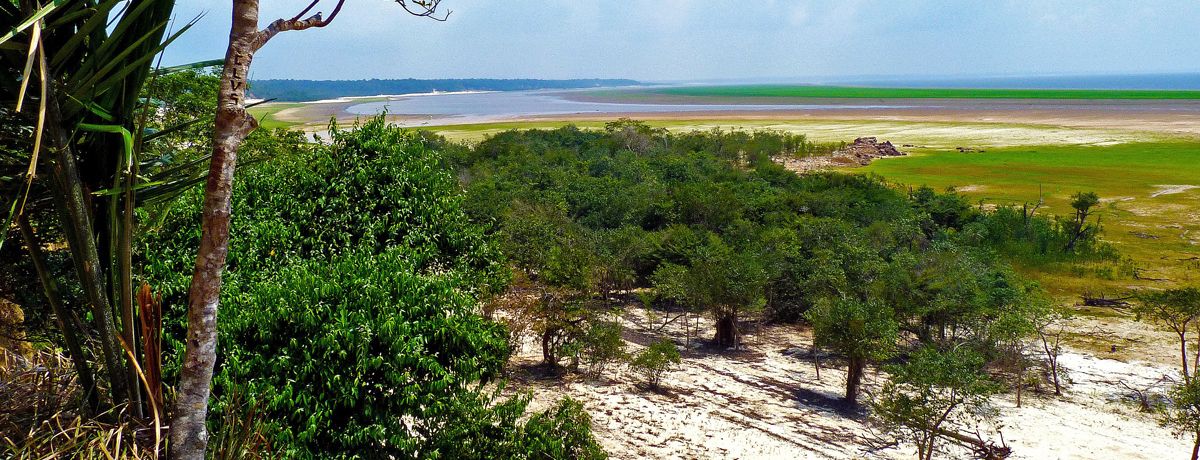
654, 361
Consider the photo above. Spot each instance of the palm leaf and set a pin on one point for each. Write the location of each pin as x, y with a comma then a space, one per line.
191, 66
37, 16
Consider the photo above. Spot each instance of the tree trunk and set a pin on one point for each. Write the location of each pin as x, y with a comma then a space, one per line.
69, 331
853, 378
1052, 359
1020, 383
726, 331
1183, 354
125, 280
189, 438
1196, 447
548, 348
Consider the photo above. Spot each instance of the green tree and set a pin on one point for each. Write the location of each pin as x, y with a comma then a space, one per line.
1183, 414
859, 330
719, 280
1082, 202
1177, 309
931, 394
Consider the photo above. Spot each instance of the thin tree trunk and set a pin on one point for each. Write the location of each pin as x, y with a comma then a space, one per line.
189, 437
1020, 382
1183, 354
853, 378
727, 331
1196, 353
1196, 447
1052, 358
70, 334
78, 229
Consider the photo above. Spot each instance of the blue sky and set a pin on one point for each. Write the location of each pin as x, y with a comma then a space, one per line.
717, 39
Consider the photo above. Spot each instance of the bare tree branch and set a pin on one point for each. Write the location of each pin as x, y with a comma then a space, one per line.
424, 8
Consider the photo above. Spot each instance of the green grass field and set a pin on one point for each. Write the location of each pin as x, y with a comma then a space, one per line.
1160, 234
852, 92
265, 114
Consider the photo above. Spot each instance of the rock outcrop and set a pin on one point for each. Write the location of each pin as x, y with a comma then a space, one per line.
865, 149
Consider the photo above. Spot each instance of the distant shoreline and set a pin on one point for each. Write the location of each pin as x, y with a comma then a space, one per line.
325, 90
784, 93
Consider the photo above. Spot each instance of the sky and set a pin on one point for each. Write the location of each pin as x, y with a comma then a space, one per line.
700, 40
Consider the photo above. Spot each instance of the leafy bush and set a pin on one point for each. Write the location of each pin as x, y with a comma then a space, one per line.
655, 361
480, 431
350, 308
602, 346
350, 354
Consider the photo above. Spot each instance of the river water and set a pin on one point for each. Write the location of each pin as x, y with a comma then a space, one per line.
479, 107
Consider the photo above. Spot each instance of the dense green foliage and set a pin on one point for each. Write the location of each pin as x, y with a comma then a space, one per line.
710, 222
350, 312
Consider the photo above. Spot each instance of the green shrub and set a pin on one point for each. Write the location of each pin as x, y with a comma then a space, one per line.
602, 346
482, 431
350, 355
655, 361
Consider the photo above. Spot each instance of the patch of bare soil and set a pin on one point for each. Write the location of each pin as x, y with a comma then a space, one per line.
768, 400
1171, 189
861, 152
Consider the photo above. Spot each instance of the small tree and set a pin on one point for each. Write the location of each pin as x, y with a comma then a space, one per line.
602, 346
655, 361
1183, 415
933, 392
861, 331
720, 280
1048, 322
1176, 309
560, 320
1082, 202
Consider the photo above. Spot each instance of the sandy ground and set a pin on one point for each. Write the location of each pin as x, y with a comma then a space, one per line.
942, 124
766, 401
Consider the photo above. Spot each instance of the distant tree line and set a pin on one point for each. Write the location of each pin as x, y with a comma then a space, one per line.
314, 90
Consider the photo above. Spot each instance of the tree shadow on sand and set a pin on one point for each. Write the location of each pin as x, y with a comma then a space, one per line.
829, 403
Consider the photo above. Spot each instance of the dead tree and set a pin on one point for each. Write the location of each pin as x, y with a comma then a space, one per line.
189, 438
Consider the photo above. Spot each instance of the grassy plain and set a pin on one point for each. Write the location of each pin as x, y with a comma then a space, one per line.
1149, 212
266, 114
855, 92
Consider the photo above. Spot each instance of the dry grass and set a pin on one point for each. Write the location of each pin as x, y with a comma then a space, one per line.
42, 416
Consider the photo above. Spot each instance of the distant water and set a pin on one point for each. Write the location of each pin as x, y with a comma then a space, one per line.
1166, 81
481, 107
452, 108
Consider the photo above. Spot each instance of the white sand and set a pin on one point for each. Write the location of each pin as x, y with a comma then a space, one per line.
1171, 189
764, 403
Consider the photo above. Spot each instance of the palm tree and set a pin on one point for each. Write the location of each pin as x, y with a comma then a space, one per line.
71, 102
